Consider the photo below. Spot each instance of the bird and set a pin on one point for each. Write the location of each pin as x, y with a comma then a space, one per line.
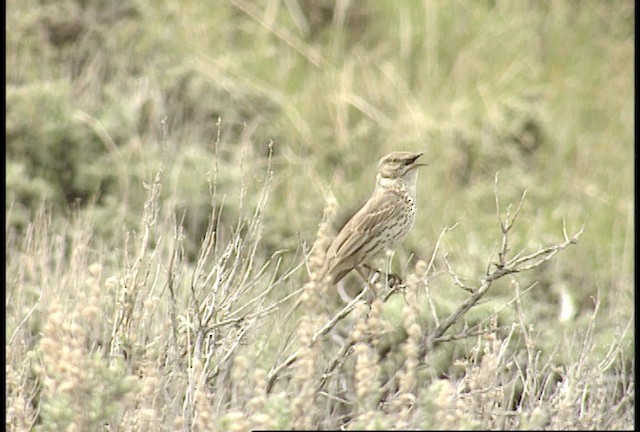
383, 221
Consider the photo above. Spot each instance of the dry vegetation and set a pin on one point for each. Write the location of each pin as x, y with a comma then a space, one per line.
170, 178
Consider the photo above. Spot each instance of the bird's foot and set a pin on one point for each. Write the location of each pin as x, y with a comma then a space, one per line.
394, 280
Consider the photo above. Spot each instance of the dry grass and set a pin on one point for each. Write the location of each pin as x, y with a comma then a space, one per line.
165, 345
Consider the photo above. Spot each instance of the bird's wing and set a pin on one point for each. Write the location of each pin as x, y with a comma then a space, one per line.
366, 224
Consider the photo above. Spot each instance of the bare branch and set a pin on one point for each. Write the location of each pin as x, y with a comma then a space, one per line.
467, 334
503, 268
437, 245
273, 373
510, 220
456, 279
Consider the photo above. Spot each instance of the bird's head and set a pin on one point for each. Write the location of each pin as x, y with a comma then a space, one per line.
397, 164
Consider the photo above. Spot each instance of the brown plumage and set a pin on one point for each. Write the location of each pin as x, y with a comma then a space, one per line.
386, 218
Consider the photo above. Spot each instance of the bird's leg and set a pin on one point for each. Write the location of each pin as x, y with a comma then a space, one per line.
392, 278
371, 269
367, 279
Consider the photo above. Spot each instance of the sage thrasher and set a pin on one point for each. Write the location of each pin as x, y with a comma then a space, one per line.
385, 219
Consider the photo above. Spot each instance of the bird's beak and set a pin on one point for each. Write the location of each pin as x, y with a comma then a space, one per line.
416, 165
